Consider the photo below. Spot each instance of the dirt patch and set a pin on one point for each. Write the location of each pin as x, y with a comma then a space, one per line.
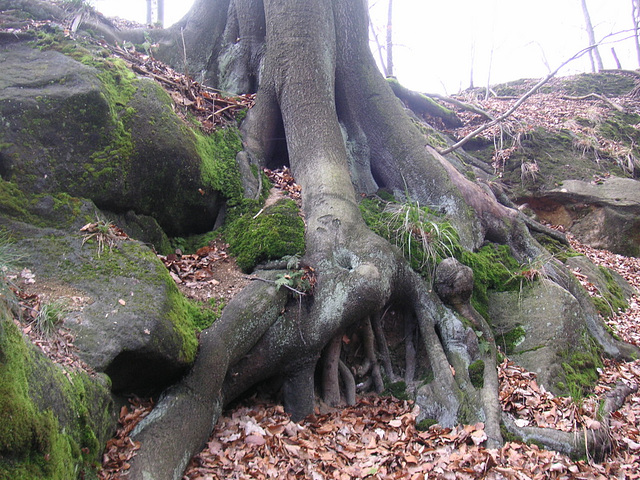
208, 273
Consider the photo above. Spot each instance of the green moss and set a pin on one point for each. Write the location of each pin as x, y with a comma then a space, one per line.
14, 203
33, 443
476, 373
425, 424
191, 244
61, 210
559, 250
278, 231
612, 298
619, 127
510, 340
397, 390
203, 315
219, 167
580, 365
608, 84
507, 436
182, 313
494, 268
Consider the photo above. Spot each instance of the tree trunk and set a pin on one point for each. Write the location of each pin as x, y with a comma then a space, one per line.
389, 68
635, 13
316, 79
594, 53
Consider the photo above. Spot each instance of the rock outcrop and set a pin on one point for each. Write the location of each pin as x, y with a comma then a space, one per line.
79, 123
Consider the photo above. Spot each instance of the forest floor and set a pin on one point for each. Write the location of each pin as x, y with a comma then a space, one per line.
377, 438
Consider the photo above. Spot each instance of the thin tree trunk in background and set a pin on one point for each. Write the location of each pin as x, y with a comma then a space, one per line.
149, 12
595, 54
378, 48
635, 12
473, 59
615, 57
390, 39
160, 20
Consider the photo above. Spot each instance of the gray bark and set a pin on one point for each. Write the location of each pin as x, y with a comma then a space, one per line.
346, 134
594, 54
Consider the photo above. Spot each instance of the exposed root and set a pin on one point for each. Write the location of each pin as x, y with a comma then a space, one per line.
383, 347
409, 349
593, 443
330, 378
349, 383
370, 364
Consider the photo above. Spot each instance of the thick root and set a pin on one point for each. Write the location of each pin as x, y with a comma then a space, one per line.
593, 443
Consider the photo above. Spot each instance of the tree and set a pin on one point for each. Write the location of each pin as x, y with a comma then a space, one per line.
635, 14
594, 54
317, 84
158, 7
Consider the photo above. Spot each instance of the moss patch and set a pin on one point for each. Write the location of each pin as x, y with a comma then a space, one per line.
612, 299
275, 233
35, 443
397, 390
58, 210
425, 424
510, 340
555, 248
580, 365
494, 268
219, 167
476, 373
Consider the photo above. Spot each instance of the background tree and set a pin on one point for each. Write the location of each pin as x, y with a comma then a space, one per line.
594, 54
323, 108
635, 14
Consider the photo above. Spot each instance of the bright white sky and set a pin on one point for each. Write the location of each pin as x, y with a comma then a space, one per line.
434, 38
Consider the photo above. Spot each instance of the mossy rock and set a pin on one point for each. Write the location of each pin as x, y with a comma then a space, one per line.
614, 290
80, 122
55, 425
133, 323
580, 365
534, 325
494, 269
276, 232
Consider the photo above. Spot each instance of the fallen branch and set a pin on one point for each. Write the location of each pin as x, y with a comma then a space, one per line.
462, 105
516, 105
597, 96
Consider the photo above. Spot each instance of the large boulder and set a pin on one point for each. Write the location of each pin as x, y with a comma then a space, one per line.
55, 421
128, 318
603, 214
532, 324
82, 123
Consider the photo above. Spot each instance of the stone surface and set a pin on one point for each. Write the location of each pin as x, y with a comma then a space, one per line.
128, 318
549, 316
96, 131
604, 214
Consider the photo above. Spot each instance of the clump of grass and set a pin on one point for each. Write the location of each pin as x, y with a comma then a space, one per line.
104, 232
424, 238
49, 317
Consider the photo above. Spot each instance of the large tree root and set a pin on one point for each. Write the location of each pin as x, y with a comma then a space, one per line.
199, 394
346, 133
593, 443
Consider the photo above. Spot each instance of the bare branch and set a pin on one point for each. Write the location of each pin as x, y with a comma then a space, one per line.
459, 104
515, 106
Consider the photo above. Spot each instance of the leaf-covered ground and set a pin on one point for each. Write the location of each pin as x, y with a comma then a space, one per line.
378, 439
